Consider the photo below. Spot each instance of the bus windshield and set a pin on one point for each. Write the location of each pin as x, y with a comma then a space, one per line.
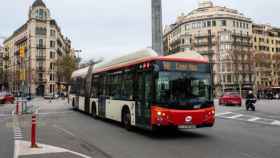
183, 89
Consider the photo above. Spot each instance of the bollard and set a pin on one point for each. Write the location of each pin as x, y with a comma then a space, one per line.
33, 132
17, 108
21, 108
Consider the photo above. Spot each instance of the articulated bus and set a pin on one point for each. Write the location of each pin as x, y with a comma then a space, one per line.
146, 90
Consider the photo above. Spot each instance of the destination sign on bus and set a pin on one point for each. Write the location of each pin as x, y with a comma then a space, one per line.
179, 66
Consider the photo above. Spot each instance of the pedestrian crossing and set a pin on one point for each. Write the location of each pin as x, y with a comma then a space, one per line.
17, 130
18, 133
248, 118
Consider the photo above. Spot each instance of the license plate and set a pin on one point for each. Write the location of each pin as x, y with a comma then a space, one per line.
187, 127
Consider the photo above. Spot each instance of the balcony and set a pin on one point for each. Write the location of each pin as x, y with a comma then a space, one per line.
204, 36
40, 69
204, 44
243, 44
239, 35
40, 57
41, 80
40, 46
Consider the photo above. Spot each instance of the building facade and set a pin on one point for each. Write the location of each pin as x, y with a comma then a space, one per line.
1, 67
32, 51
224, 36
266, 43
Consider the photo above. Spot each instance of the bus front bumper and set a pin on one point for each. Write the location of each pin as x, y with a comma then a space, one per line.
183, 118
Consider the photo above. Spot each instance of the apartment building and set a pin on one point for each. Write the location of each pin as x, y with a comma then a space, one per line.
224, 36
266, 43
32, 51
1, 67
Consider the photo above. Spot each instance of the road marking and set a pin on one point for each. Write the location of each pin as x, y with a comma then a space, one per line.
235, 116
251, 118
225, 113
254, 119
22, 148
276, 123
64, 130
48, 113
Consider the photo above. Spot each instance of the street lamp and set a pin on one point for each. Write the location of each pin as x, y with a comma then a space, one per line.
78, 59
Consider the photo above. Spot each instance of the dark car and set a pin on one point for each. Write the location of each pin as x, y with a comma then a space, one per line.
230, 98
6, 98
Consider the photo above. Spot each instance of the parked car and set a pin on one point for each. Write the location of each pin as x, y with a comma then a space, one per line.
51, 96
230, 98
6, 98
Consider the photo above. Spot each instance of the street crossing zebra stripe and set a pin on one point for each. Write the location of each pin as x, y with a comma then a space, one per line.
248, 118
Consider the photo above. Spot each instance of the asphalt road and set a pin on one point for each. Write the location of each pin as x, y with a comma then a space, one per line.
232, 137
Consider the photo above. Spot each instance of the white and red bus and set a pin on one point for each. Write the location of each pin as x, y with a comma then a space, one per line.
146, 90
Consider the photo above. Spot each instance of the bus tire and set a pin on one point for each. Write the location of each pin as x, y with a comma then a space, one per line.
126, 118
93, 110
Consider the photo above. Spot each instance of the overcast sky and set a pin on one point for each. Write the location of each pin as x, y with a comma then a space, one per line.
110, 28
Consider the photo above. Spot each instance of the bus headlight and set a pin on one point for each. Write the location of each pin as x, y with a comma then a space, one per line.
159, 113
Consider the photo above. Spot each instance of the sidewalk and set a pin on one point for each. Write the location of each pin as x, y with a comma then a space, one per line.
52, 155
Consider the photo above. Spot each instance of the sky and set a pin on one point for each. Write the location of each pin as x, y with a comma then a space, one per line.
111, 28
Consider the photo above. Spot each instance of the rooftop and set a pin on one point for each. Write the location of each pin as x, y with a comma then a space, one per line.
38, 3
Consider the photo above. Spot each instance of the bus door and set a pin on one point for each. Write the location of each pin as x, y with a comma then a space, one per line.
102, 106
102, 99
143, 103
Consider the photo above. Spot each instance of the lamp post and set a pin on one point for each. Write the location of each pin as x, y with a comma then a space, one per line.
78, 54
157, 42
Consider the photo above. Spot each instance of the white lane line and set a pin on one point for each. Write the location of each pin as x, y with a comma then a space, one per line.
64, 130
254, 119
22, 148
277, 123
235, 116
48, 113
221, 114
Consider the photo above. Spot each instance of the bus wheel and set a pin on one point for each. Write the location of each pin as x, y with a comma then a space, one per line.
126, 119
93, 111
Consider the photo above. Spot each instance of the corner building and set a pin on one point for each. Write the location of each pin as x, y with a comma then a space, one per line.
223, 35
266, 40
32, 51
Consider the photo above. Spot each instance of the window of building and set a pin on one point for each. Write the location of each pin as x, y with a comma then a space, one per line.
52, 44
267, 41
208, 23
229, 78
204, 24
52, 66
51, 77
40, 43
53, 33
214, 23
224, 23
247, 25
233, 23
41, 14
272, 49
40, 31
193, 25
52, 55
40, 52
